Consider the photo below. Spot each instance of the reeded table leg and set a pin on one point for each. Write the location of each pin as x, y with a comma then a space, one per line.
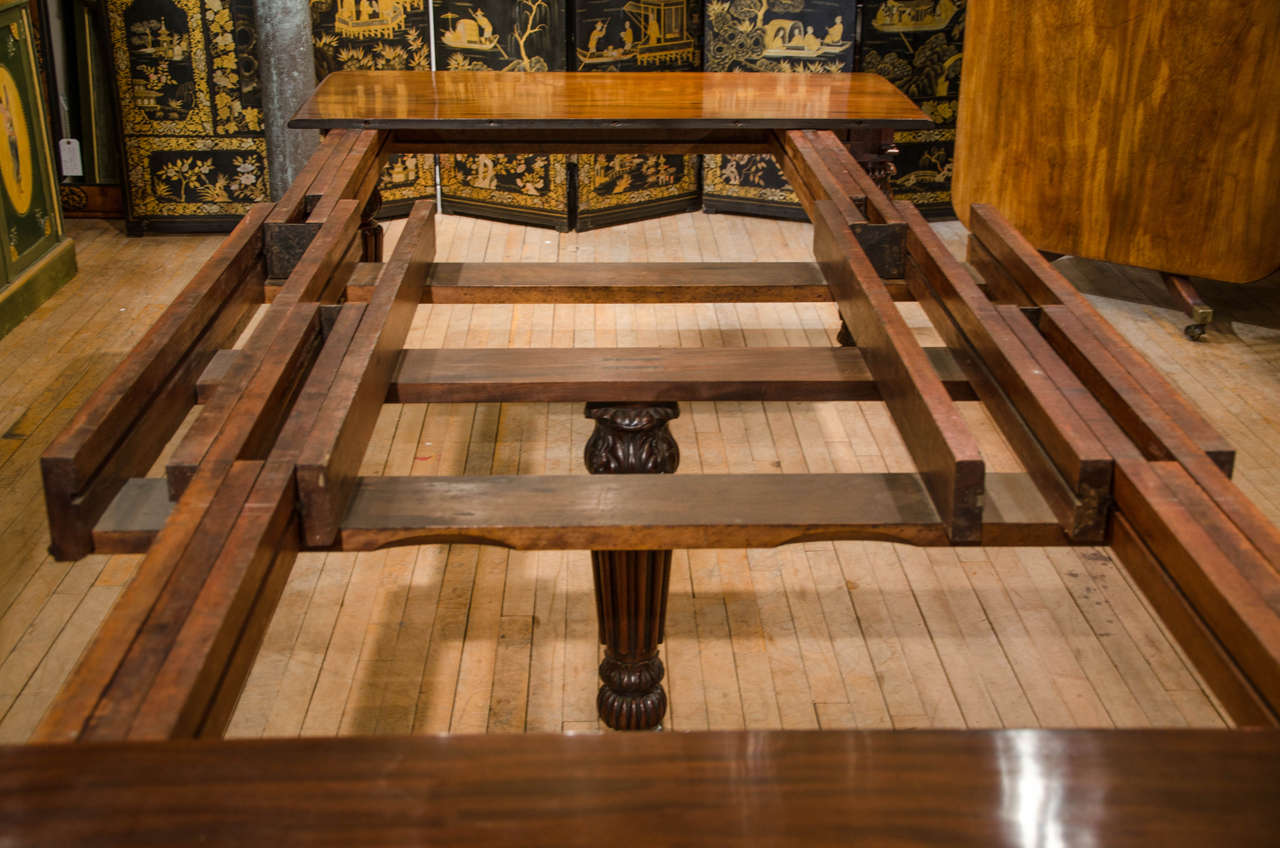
631, 586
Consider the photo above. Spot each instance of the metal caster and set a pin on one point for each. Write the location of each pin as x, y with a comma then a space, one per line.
1194, 331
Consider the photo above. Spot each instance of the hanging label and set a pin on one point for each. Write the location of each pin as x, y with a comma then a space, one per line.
69, 151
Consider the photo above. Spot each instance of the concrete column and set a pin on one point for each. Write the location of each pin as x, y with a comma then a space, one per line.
287, 70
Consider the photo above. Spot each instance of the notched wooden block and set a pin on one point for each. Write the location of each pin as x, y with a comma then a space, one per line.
285, 244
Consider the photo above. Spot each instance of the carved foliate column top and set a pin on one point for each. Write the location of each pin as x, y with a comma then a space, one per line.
632, 438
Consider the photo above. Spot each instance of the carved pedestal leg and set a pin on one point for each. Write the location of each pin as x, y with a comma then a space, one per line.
631, 586
631, 602
371, 230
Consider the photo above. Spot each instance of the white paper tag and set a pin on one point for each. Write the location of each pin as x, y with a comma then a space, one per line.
69, 150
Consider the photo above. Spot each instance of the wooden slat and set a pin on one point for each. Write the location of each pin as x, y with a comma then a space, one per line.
614, 282
215, 373
147, 649
1047, 410
323, 271
248, 407
644, 374
242, 584
333, 149
625, 282
331, 458
288, 232
879, 208
937, 437
1040, 468
1227, 582
1001, 287
135, 515
1148, 423
474, 375
355, 178
67, 718
1046, 286
205, 316
610, 512
810, 177
1016, 513
824, 169
113, 680
1246, 707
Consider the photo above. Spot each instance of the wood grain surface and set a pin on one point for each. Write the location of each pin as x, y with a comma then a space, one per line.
427, 375
1136, 132
496, 100
1114, 788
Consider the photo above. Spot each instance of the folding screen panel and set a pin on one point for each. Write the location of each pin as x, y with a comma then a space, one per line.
504, 35
379, 35
636, 35
186, 75
916, 44
778, 36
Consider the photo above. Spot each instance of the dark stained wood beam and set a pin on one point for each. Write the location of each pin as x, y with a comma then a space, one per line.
939, 440
1047, 407
1045, 286
614, 282
330, 459
646, 374
1226, 580
1232, 687
673, 511
1149, 423
471, 375
819, 167
120, 430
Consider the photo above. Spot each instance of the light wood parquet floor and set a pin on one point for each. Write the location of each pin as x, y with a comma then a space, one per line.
465, 639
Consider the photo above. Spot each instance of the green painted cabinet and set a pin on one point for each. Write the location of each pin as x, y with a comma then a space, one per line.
35, 259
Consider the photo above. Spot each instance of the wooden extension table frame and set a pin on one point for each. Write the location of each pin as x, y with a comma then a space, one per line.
1112, 453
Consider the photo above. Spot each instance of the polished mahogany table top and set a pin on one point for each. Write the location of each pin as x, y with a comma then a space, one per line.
553, 100
989, 788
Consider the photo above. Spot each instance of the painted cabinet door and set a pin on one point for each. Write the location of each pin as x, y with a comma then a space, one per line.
186, 75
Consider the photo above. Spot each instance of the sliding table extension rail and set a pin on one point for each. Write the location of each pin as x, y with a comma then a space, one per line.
270, 466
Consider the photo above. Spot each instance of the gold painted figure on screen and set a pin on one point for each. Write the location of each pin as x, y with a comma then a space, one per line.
663, 36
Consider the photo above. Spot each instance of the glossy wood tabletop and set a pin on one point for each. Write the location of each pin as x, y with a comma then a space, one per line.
491, 99
1051, 788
